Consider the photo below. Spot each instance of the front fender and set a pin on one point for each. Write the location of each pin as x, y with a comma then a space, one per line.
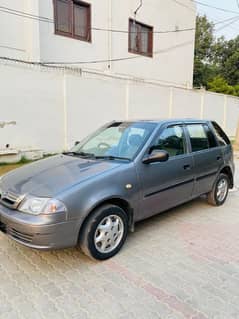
84, 198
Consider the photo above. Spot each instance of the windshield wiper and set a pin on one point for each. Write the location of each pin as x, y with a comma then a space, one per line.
69, 153
85, 154
91, 155
81, 154
111, 158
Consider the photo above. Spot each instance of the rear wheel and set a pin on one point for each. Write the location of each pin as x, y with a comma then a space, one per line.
219, 193
104, 232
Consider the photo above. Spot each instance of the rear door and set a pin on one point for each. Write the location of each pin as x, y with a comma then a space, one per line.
224, 143
207, 157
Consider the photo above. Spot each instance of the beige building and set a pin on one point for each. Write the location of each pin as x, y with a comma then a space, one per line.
156, 44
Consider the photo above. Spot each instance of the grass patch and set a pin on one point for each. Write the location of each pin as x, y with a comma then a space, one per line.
6, 167
21, 162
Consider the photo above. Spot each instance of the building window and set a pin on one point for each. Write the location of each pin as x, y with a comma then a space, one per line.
73, 19
140, 38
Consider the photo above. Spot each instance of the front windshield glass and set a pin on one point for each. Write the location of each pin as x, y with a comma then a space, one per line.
120, 140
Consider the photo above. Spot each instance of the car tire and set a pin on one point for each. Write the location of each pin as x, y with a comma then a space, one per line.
219, 193
104, 233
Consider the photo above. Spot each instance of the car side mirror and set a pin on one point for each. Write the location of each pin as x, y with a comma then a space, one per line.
77, 143
156, 156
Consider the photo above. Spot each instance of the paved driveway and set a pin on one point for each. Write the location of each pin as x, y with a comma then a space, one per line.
180, 264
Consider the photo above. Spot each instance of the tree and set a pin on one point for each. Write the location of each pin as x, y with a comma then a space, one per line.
204, 39
204, 69
231, 68
216, 61
203, 73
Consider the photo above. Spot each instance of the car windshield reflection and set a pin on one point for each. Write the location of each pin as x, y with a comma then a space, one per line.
121, 140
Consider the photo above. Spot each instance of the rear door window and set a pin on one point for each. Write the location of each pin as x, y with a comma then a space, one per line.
211, 138
198, 137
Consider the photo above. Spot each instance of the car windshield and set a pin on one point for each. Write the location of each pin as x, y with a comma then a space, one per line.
122, 140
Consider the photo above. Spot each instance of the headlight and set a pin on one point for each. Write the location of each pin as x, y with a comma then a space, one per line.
36, 206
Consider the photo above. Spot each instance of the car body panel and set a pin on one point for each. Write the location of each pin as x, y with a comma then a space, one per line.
81, 200
54, 175
227, 152
83, 184
61, 234
206, 167
165, 185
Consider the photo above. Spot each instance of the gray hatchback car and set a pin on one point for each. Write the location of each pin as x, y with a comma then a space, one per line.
94, 194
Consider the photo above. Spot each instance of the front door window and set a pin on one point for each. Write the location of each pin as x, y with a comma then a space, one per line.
172, 140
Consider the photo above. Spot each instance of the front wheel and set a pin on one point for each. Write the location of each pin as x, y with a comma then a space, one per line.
104, 233
218, 194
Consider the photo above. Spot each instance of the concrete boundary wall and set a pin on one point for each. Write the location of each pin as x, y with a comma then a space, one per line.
54, 107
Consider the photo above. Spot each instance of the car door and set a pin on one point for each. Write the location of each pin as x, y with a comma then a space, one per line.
166, 184
207, 155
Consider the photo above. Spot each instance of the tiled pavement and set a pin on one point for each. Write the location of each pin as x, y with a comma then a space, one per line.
180, 264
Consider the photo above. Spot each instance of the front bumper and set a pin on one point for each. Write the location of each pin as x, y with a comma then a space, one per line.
40, 232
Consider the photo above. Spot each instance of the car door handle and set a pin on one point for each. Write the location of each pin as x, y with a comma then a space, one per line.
219, 158
187, 167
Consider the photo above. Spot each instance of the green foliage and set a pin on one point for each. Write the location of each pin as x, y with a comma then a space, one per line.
203, 72
236, 89
216, 65
231, 68
220, 85
24, 160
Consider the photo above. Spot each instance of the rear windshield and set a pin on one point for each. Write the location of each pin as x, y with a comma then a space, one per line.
221, 136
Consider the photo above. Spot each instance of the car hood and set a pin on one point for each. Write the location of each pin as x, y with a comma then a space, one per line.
51, 176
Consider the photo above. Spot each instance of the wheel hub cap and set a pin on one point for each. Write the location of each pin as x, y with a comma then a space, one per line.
109, 233
222, 188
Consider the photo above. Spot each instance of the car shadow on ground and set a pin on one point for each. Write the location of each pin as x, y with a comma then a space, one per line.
177, 214
74, 258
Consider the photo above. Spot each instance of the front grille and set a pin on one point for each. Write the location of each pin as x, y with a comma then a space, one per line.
10, 199
2, 227
27, 238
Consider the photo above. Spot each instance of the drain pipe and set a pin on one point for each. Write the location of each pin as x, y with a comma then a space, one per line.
65, 113
139, 7
109, 35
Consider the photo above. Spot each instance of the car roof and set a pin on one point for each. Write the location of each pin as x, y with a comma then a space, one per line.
170, 121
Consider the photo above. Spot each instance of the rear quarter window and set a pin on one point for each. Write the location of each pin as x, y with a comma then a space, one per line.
222, 138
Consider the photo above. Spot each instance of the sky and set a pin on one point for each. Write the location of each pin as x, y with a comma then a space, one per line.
215, 15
